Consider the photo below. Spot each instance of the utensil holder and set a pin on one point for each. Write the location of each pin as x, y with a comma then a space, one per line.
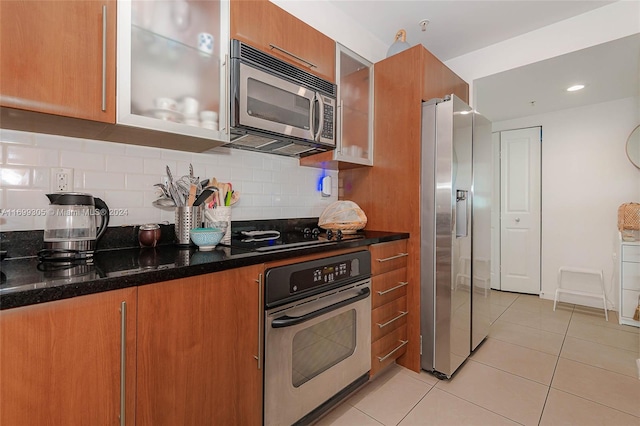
187, 218
220, 214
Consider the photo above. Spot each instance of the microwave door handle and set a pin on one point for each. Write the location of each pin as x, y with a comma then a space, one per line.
312, 116
287, 321
321, 122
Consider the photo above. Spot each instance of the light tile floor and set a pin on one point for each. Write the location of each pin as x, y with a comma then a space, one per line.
537, 367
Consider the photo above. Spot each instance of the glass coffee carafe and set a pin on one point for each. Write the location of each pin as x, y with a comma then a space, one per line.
74, 224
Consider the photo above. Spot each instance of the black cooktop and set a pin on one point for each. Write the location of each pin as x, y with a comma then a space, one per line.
277, 239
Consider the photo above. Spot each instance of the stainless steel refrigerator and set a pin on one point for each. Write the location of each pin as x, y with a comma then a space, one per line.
455, 223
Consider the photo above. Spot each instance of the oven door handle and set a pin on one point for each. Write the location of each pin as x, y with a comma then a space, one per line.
287, 321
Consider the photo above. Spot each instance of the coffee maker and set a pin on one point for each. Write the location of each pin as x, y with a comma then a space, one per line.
72, 228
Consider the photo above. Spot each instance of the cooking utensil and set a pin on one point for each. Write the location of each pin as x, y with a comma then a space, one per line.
173, 191
203, 196
235, 196
192, 194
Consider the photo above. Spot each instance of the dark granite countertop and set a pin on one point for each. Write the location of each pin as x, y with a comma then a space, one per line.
25, 281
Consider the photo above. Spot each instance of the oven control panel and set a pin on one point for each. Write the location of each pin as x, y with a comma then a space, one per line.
290, 282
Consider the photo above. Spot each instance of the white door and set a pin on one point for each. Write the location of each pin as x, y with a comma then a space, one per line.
520, 210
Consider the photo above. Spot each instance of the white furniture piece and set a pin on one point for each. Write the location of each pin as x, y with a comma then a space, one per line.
629, 280
596, 272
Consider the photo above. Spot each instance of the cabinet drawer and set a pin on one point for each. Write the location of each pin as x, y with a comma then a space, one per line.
386, 257
631, 276
629, 303
388, 317
388, 286
387, 349
630, 253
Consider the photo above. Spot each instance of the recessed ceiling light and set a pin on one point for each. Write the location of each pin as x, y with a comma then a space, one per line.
576, 87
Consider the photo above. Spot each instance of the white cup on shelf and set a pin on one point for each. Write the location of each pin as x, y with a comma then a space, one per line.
166, 103
190, 106
209, 116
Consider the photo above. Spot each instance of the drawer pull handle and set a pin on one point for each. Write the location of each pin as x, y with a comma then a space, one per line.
286, 52
402, 343
402, 313
402, 284
398, 256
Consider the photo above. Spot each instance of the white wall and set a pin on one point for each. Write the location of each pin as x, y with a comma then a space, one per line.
271, 186
586, 175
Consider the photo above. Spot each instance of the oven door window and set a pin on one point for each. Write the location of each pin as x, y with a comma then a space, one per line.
273, 104
323, 345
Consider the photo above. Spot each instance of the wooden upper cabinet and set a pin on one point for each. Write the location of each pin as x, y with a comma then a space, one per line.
51, 57
438, 80
271, 29
60, 362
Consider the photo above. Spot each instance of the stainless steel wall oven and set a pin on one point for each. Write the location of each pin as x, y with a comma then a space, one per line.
317, 335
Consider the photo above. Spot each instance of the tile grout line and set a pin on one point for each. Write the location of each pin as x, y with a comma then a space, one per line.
555, 367
479, 406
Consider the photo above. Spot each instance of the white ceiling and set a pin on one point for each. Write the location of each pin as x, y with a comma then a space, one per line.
457, 27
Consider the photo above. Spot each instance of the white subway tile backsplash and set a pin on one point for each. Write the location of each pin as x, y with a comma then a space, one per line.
42, 140
262, 175
168, 154
248, 188
124, 199
82, 160
26, 199
103, 180
15, 136
142, 151
142, 182
123, 163
123, 176
159, 167
30, 156
98, 147
221, 172
15, 176
41, 178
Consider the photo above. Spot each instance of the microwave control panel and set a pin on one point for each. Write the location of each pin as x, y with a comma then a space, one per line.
327, 128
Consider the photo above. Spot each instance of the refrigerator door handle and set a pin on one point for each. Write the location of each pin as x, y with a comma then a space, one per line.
462, 225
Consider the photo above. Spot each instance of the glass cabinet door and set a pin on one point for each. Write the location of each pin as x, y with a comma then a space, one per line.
172, 66
355, 94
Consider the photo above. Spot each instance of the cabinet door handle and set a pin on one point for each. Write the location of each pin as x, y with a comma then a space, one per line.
402, 343
402, 313
389, 290
340, 116
104, 58
227, 105
260, 325
123, 360
399, 255
294, 56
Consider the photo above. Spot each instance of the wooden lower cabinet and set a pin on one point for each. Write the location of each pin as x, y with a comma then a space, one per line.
199, 350
389, 303
60, 362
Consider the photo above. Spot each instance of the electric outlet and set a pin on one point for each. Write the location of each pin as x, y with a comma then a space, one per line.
61, 179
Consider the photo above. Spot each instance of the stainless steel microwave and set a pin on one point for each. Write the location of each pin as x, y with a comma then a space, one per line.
277, 107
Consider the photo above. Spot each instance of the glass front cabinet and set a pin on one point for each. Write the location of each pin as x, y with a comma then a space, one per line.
355, 106
173, 67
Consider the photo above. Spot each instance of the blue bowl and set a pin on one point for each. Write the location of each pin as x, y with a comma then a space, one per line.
206, 238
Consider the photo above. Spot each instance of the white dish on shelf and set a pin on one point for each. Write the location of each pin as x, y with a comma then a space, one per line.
165, 114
